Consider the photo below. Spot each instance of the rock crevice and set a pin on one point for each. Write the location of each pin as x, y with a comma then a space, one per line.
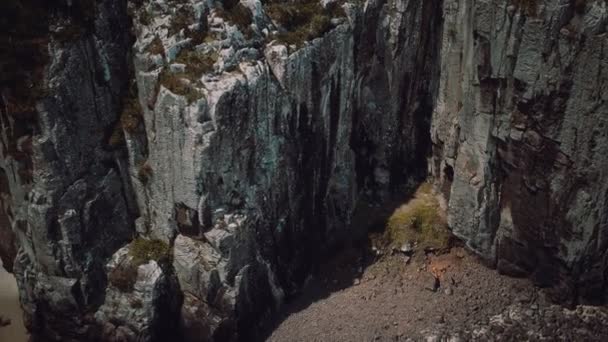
249, 137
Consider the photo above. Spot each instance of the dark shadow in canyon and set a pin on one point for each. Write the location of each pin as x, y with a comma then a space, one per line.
345, 264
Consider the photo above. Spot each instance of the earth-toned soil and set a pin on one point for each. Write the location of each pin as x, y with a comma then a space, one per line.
406, 279
362, 296
365, 297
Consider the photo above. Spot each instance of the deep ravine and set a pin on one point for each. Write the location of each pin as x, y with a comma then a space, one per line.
179, 168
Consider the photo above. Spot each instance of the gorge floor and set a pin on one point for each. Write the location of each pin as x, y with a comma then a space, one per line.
359, 298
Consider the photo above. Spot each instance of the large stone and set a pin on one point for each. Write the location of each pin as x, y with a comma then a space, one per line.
196, 267
140, 301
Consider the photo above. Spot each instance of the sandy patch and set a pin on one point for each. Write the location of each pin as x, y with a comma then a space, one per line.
10, 308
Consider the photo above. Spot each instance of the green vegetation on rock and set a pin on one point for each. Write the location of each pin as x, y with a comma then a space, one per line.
143, 250
145, 18
183, 83
302, 21
240, 16
156, 47
197, 63
418, 221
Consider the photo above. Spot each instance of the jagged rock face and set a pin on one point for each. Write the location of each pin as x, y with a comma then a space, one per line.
249, 154
520, 138
250, 175
69, 208
8, 245
258, 168
140, 301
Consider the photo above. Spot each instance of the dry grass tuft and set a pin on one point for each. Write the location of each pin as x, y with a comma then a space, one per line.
183, 84
118, 136
418, 221
131, 115
144, 172
240, 16
144, 250
302, 21
156, 47
141, 251
196, 63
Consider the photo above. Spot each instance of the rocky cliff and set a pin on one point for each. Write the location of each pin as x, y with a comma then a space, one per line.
181, 166
65, 192
520, 139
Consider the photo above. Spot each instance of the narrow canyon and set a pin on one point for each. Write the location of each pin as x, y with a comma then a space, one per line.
305, 170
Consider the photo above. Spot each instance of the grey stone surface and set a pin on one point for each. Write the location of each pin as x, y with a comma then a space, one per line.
278, 149
141, 312
529, 323
255, 173
68, 207
519, 134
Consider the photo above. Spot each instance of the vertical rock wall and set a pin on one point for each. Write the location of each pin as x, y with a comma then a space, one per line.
68, 207
248, 171
520, 139
247, 157
257, 170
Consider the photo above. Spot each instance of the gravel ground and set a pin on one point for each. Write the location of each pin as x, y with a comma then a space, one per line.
357, 297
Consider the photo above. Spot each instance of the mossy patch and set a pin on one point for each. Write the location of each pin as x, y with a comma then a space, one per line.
143, 250
240, 16
302, 21
196, 63
181, 20
183, 83
418, 221
156, 47
178, 85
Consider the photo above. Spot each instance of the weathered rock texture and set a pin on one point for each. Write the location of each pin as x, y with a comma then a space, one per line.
250, 174
520, 138
261, 172
68, 202
521, 322
249, 157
